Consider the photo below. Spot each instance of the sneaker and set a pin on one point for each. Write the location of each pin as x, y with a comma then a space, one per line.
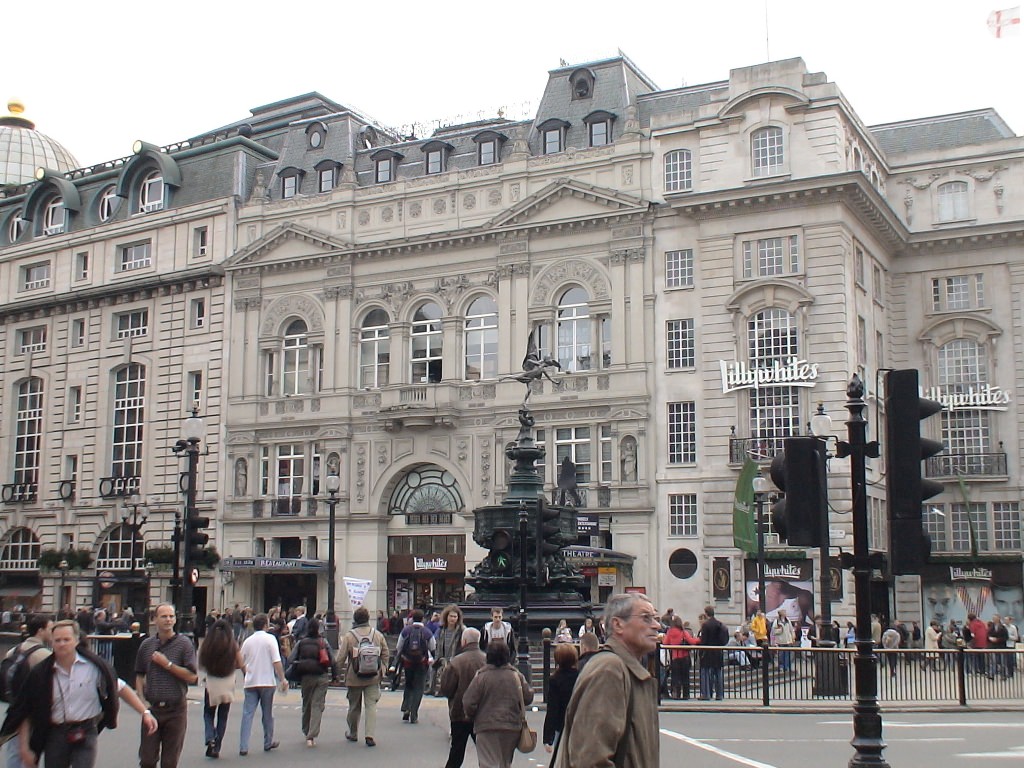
370, 742
351, 737
310, 743
211, 749
273, 745
405, 716
243, 752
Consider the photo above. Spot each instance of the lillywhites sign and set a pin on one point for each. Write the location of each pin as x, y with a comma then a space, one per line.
985, 398
422, 564
787, 571
976, 573
795, 373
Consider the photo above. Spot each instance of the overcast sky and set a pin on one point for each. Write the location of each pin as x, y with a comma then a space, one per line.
163, 72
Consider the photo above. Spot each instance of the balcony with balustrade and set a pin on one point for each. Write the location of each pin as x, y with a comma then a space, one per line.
970, 466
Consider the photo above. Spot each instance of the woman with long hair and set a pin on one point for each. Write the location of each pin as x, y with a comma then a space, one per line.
560, 687
448, 640
220, 656
496, 700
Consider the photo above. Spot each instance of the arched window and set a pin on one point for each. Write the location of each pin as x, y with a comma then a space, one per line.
963, 367
374, 350
21, 551
28, 433
54, 216
295, 374
953, 201
426, 342
678, 171
482, 340
574, 351
116, 550
15, 228
774, 411
427, 495
129, 420
108, 203
766, 151
151, 192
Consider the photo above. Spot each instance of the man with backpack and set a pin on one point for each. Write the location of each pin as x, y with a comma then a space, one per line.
16, 665
364, 652
415, 646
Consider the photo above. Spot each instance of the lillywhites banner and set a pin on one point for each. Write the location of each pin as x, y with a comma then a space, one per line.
744, 530
357, 589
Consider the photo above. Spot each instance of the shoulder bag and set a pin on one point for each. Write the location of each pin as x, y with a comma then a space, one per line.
527, 736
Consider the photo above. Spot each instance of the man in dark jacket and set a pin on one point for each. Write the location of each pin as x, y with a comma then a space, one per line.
712, 632
415, 646
455, 679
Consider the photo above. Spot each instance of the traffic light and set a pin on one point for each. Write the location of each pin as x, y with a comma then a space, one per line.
500, 551
799, 471
549, 536
905, 489
195, 539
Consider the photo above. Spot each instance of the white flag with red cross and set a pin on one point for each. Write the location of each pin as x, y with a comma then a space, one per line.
1005, 22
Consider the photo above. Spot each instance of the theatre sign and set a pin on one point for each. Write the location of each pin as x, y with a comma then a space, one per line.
737, 375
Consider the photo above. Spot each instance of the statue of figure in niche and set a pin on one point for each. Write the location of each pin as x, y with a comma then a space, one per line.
629, 460
333, 463
241, 477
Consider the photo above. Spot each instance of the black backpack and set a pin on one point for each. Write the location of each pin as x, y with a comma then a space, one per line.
14, 670
415, 647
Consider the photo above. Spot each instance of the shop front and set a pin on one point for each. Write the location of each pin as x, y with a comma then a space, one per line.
263, 582
425, 581
605, 571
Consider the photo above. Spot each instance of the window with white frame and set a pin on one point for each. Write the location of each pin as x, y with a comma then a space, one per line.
197, 313
194, 393
15, 228
574, 443
32, 339
54, 216
291, 471
934, 517
969, 524
131, 324
434, 161
482, 339
115, 553
771, 256
34, 276
82, 266
774, 411
540, 464
325, 179
28, 428
682, 514
108, 203
383, 170
551, 141
134, 256
678, 171
151, 192
374, 350
21, 551
962, 366
680, 343
682, 433
74, 405
487, 152
200, 242
679, 268
295, 360
289, 186
78, 332
599, 133
573, 331
129, 421
426, 337
605, 450
1006, 525
958, 292
766, 150
953, 201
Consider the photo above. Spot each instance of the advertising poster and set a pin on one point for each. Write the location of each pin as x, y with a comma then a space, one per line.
951, 591
789, 585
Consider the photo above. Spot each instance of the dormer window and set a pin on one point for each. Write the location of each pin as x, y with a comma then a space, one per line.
581, 83
54, 216
15, 228
552, 134
435, 156
315, 135
151, 192
767, 151
107, 204
385, 165
488, 147
599, 128
291, 182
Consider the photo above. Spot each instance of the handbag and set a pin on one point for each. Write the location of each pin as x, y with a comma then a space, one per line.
527, 736
324, 658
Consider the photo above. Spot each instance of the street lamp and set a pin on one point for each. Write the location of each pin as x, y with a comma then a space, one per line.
138, 519
193, 431
63, 567
333, 485
761, 488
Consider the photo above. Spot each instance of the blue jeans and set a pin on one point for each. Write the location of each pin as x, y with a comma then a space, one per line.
785, 660
711, 681
264, 697
13, 755
215, 733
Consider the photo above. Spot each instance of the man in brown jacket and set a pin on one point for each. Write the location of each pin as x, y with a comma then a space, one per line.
455, 679
362, 690
616, 699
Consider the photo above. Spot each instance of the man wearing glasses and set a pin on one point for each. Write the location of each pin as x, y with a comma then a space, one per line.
615, 697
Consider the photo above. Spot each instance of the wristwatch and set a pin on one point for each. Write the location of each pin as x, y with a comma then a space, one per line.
170, 663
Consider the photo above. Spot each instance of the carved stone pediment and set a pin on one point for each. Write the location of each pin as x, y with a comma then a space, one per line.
567, 199
285, 244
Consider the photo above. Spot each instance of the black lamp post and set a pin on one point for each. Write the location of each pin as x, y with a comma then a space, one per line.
176, 567
761, 486
867, 717
333, 484
523, 649
192, 434
63, 567
138, 519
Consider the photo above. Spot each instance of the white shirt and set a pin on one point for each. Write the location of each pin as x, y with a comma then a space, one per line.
259, 651
75, 693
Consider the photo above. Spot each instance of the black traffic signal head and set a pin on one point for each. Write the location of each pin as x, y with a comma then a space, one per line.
905, 489
800, 472
195, 539
500, 552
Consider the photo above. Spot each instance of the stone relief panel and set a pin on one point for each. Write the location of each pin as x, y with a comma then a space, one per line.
570, 270
285, 307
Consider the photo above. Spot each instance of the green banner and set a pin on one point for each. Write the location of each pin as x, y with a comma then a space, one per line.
744, 529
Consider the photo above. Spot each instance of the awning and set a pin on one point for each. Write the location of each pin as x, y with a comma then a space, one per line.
273, 565
26, 591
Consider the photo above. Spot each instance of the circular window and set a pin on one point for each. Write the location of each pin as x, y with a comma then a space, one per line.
315, 139
682, 563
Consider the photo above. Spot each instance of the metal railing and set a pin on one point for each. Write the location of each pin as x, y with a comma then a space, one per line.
966, 464
952, 676
760, 449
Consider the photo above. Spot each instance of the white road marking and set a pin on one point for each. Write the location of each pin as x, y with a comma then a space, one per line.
1013, 752
715, 750
892, 724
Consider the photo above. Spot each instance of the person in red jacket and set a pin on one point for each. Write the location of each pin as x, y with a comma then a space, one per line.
979, 641
679, 634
